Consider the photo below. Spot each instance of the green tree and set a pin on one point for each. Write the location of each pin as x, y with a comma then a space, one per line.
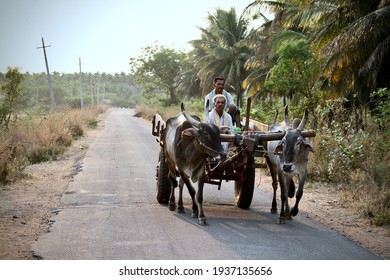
158, 70
11, 92
295, 73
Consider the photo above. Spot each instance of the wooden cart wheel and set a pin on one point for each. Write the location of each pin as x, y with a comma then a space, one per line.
243, 189
163, 184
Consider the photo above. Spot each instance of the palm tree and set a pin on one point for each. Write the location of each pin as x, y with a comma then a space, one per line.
260, 62
189, 83
265, 41
359, 56
223, 51
352, 36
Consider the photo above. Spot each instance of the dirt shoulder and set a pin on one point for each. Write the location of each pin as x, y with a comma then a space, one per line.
26, 206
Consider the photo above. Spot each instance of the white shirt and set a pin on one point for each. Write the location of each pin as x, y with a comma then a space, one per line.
224, 120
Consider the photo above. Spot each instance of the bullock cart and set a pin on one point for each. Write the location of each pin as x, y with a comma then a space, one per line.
247, 151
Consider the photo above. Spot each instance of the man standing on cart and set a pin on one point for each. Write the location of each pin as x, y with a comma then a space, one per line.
219, 85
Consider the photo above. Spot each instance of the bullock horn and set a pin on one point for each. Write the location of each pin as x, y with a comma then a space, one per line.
188, 117
286, 118
303, 121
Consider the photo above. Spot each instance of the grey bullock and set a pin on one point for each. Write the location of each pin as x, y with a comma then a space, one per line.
187, 144
288, 158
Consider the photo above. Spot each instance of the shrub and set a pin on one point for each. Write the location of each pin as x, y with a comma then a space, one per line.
5, 157
35, 139
359, 161
75, 123
40, 139
337, 152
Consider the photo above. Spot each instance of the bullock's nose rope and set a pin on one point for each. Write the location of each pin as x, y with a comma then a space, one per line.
204, 146
201, 144
272, 153
280, 153
297, 156
228, 158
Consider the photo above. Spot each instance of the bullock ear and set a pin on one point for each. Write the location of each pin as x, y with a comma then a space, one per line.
308, 147
224, 130
279, 147
188, 134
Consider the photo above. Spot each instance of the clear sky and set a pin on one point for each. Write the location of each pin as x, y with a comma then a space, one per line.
105, 34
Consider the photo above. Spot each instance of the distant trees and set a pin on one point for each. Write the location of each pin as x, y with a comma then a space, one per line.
117, 89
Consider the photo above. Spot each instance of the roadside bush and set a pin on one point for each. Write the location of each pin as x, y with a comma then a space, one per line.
376, 163
90, 114
74, 122
5, 157
359, 162
337, 152
35, 139
40, 139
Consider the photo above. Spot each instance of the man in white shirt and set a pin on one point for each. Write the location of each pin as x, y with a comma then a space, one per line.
218, 115
219, 84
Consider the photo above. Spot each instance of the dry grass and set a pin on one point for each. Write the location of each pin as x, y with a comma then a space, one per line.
358, 164
37, 139
147, 112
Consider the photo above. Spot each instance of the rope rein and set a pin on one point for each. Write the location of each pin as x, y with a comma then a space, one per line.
205, 147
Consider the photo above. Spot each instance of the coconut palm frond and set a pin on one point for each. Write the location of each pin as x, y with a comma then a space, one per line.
356, 48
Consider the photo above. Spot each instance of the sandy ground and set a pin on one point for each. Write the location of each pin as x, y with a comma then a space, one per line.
27, 205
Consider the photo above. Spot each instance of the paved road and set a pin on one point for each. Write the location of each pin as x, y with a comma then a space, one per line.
111, 213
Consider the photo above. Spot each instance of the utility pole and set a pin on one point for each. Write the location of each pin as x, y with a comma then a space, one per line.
98, 92
52, 100
81, 87
91, 87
